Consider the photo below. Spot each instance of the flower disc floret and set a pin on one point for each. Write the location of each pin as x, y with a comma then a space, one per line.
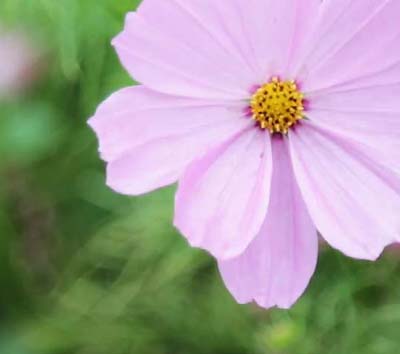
277, 106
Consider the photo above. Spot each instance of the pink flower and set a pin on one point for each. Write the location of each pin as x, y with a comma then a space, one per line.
18, 59
278, 118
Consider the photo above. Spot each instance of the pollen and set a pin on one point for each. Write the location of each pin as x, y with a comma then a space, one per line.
277, 106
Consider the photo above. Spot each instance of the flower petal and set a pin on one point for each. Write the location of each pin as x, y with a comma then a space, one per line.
149, 138
378, 133
353, 204
276, 31
173, 52
277, 266
212, 49
373, 99
223, 198
361, 37
365, 111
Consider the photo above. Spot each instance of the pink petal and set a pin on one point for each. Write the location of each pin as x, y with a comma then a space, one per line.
277, 266
170, 51
149, 138
378, 134
377, 98
136, 115
223, 198
361, 37
353, 203
276, 31
212, 49
365, 111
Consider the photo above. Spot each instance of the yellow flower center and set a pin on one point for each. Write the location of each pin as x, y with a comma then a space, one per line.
277, 106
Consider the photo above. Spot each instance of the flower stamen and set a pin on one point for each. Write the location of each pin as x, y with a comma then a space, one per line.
277, 106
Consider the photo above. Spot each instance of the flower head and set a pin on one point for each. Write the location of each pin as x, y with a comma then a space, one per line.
279, 119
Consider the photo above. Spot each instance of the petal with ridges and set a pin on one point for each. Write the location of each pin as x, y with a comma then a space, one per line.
136, 115
170, 65
149, 138
373, 99
276, 32
353, 205
360, 37
277, 266
378, 134
222, 199
213, 49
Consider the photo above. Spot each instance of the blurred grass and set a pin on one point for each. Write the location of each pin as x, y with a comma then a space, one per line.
86, 271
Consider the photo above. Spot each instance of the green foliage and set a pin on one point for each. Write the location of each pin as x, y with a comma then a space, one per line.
86, 271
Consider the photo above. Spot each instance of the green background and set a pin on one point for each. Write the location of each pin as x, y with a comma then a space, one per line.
86, 271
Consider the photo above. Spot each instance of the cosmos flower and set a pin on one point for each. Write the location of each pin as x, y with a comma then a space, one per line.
279, 119
18, 59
